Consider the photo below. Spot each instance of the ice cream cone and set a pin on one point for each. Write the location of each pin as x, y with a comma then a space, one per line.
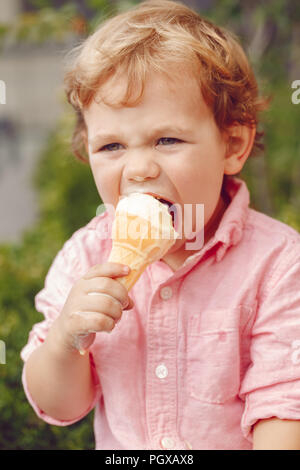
142, 233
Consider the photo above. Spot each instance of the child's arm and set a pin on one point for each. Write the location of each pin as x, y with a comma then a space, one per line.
59, 379
276, 434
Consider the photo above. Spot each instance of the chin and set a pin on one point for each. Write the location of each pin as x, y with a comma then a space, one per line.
179, 244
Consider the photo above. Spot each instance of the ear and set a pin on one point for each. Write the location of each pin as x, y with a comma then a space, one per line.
239, 143
85, 141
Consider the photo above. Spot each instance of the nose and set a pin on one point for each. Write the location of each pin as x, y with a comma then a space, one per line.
140, 165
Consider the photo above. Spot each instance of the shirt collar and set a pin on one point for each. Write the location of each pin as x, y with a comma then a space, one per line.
230, 230
231, 227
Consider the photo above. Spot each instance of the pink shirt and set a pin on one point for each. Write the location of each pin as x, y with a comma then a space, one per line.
207, 350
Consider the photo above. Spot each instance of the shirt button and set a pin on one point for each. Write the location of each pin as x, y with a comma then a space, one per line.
189, 446
166, 293
167, 443
161, 371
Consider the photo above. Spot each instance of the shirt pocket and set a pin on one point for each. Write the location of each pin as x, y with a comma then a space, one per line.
213, 353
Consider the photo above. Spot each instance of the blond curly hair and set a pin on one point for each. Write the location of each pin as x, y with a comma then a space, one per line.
151, 37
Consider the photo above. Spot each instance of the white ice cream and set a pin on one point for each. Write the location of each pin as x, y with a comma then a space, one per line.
149, 208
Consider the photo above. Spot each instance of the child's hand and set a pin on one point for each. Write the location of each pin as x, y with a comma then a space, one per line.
88, 311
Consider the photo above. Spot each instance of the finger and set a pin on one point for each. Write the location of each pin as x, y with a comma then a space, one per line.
99, 294
107, 270
130, 305
127, 304
107, 286
102, 303
90, 322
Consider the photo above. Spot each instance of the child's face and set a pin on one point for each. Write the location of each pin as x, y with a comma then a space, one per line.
168, 145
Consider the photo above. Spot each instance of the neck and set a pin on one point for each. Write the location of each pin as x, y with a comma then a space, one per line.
215, 220
176, 259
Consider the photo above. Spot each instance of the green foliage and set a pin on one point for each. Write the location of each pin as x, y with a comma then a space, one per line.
66, 186
44, 25
48, 23
68, 200
40, 3
265, 30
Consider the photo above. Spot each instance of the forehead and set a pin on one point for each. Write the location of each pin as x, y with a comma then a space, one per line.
166, 106
170, 81
166, 101
169, 104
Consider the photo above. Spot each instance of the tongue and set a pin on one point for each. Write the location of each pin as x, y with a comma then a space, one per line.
169, 205
163, 201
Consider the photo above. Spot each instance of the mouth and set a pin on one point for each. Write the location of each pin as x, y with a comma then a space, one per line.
170, 205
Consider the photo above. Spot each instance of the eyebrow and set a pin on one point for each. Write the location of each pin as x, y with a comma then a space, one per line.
102, 136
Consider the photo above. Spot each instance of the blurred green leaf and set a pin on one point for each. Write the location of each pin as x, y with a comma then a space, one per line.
40, 3
98, 4
68, 200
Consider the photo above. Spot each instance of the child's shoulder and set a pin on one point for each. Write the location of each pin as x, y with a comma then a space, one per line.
96, 224
272, 233
268, 225
98, 229
92, 242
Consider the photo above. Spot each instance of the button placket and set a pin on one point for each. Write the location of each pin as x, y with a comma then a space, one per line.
161, 402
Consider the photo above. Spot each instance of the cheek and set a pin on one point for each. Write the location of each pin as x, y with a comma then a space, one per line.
107, 181
196, 180
181, 173
200, 183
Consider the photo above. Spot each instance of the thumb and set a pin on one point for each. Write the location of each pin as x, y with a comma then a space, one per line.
130, 305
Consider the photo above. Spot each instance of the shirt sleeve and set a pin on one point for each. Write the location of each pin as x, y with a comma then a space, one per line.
271, 385
63, 273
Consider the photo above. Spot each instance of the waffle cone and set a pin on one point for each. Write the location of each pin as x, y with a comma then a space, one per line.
137, 243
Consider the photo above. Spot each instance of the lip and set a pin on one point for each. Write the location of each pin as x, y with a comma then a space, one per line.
159, 196
155, 195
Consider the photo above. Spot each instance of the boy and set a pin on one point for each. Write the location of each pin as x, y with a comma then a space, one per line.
207, 355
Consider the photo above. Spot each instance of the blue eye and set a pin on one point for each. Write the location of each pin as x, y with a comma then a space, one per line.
110, 147
114, 146
169, 140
